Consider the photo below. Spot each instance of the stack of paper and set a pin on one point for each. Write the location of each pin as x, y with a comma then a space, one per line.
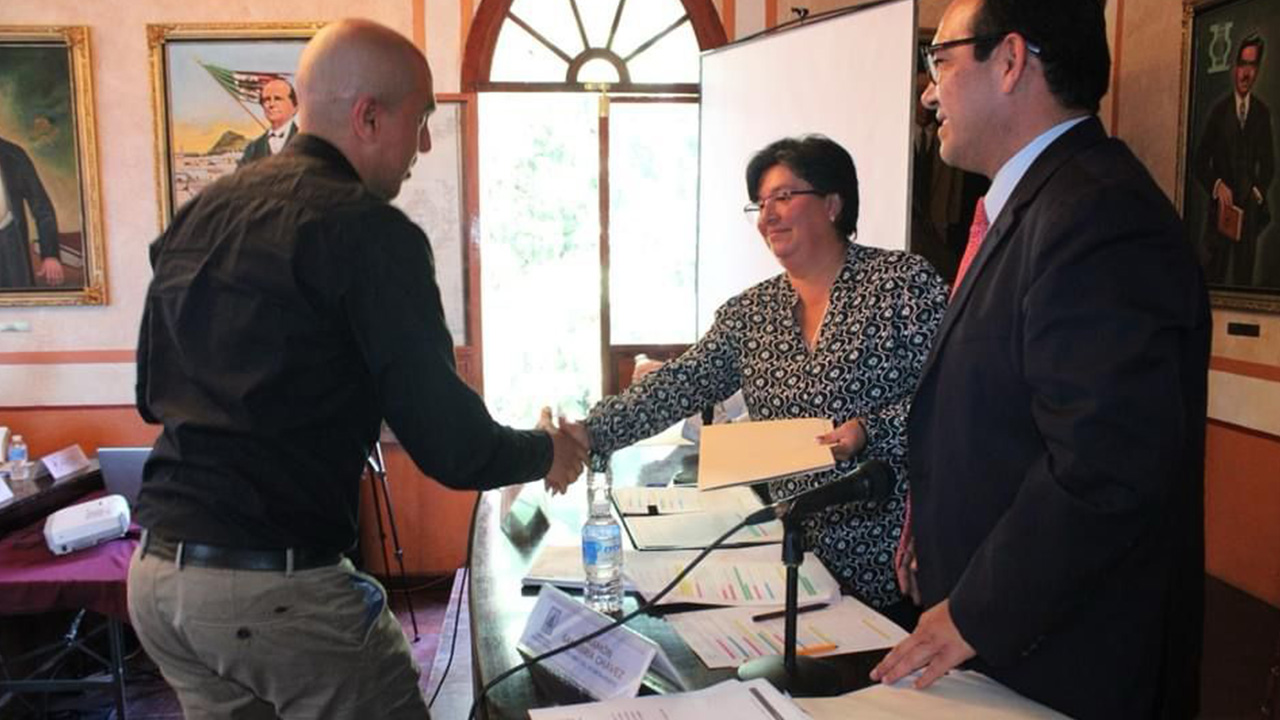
754, 700
748, 577
958, 695
561, 565
682, 500
682, 518
696, 530
728, 637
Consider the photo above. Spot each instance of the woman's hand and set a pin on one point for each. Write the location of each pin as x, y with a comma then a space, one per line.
847, 440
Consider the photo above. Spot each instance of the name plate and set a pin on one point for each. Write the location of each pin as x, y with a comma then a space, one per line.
610, 666
67, 461
5, 493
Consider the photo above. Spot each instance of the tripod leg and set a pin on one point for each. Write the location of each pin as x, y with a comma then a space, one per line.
381, 473
373, 470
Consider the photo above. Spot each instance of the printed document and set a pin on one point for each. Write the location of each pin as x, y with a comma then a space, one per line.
728, 637
958, 695
754, 700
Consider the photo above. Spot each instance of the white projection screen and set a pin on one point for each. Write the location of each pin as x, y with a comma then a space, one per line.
848, 75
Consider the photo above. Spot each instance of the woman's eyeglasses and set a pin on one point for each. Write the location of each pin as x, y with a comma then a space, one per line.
780, 198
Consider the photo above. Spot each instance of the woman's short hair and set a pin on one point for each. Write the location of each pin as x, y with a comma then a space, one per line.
819, 161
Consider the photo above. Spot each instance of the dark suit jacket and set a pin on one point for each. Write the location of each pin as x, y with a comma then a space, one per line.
24, 190
260, 147
1057, 441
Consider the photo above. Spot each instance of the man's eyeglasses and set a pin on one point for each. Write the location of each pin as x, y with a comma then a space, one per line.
782, 197
929, 52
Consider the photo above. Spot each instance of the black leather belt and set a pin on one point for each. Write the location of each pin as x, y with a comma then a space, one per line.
228, 558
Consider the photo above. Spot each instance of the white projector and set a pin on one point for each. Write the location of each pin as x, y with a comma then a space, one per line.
86, 524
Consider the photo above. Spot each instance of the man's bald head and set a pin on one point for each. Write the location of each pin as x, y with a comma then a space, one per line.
350, 58
367, 90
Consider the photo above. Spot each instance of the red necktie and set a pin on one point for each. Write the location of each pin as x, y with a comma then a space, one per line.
977, 231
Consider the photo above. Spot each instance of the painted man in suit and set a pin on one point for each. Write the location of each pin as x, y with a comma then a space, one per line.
1057, 436
279, 105
1234, 163
20, 191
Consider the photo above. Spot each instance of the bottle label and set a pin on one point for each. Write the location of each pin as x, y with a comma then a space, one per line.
602, 548
600, 552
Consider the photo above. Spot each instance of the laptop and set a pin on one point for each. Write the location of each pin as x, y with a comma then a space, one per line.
122, 470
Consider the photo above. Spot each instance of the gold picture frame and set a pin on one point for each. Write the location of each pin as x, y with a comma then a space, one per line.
49, 166
1239, 242
201, 123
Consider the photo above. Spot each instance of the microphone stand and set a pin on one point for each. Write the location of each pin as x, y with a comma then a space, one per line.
799, 676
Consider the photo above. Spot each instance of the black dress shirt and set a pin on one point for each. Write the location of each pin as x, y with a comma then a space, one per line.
290, 312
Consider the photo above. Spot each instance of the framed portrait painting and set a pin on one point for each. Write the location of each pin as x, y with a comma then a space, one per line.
51, 245
223, 97
1229, 198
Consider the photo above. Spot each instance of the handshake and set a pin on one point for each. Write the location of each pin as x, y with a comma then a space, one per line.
570, 447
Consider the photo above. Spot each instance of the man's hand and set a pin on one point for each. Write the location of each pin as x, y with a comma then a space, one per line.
569, 456
905, 566
936, 646
847, 440
50, 271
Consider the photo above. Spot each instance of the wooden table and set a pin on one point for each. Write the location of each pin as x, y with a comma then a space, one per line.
499, 605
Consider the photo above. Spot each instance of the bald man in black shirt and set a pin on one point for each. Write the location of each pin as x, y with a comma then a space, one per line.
292, 310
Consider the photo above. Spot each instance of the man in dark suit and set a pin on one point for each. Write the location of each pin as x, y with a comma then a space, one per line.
1057, 436
1234, 163
21, 190
279, 104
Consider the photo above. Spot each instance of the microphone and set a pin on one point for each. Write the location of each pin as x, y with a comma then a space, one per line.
870, 481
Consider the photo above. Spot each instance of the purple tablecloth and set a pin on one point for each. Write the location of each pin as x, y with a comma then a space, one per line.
34, 580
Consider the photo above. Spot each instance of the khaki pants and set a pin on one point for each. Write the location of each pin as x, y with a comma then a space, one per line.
319, 643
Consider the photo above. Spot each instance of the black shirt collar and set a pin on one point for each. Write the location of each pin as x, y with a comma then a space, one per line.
321, 149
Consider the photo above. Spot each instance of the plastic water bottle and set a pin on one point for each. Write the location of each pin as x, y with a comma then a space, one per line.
602, 548
20, 466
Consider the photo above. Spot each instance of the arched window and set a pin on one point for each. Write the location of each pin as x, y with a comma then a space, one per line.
637, 46
588, 136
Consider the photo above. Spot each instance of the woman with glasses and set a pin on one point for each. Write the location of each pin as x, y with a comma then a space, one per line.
841, 333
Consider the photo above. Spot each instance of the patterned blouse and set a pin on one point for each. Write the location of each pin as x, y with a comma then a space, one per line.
884, 308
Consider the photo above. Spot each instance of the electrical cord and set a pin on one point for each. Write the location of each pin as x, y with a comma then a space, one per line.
457, 610
617, 623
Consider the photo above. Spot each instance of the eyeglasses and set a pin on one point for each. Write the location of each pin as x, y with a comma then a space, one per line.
929, 53
782, 197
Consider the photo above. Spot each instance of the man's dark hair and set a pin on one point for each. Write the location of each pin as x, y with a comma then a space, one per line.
1071, 35
819, 161
1253, 40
